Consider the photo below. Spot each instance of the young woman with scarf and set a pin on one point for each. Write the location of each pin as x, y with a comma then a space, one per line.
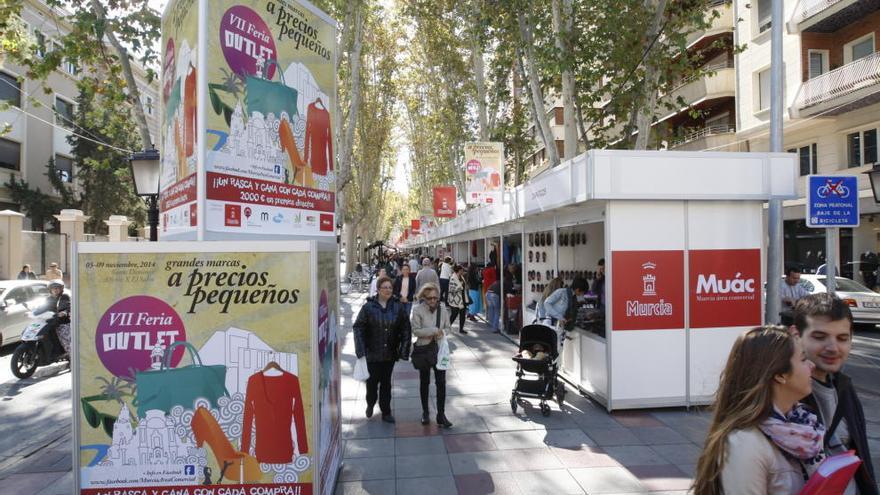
762, 439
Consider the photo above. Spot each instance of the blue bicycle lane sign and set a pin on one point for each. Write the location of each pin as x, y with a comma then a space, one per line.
832, 201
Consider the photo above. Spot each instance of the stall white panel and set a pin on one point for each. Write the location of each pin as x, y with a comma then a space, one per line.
709, 348
647, 353
593, 365
733, 230
725, 224
648, 368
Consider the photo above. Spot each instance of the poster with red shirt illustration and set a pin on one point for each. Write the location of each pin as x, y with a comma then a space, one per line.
269, 143
199, 365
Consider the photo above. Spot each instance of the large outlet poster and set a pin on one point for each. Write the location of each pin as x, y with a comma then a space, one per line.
194, 369
271, 75
178, 136
329, 388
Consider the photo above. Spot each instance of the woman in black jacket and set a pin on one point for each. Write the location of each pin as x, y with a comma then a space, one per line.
405, 294
382, 334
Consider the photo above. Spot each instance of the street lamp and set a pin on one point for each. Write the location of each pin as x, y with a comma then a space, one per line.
145, 172
874, 175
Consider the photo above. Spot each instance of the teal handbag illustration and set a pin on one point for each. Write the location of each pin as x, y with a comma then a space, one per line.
167, 387
266, 96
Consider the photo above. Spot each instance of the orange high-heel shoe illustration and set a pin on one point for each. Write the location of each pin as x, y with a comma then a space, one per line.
237, 464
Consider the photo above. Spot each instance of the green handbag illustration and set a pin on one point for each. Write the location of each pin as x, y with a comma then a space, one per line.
168, 387
266, 96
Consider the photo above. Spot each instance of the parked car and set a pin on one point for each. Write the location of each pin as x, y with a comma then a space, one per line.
862, 301
17, 299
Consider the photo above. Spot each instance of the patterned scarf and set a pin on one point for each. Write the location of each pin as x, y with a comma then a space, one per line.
799, 434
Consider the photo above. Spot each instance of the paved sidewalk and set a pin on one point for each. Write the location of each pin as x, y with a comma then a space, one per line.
579, 449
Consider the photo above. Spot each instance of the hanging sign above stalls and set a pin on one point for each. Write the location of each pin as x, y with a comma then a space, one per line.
416, 226
444, 202
484, 169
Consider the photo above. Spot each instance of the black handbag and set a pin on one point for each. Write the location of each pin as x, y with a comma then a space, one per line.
424, 357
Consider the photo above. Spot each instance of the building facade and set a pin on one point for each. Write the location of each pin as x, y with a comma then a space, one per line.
39, 122
832, 109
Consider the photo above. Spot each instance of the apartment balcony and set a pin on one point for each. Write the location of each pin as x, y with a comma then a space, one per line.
714, 138
846, 88
720, 25
827, 16
720, 83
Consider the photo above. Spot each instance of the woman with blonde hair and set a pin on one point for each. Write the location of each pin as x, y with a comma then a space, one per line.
430, 323
552, 286
762, 440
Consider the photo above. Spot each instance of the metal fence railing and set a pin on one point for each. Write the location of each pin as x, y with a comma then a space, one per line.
694, 134
809, 8
851, 77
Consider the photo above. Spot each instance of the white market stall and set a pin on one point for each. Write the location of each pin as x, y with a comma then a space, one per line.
682, 236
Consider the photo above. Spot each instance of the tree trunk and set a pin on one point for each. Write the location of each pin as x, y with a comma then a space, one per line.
134, 94
645, 111
562, 20
348, 133
480, 79
540, 116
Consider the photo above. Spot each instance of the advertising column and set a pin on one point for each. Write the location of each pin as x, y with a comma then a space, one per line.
178, 136
194, 368
271, 84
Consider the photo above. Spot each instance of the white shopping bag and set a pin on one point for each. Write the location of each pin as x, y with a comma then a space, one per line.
361, 373
443, 354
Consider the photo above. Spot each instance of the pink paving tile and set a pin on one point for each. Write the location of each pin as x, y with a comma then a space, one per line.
415, 429
485, 483
583, 457
661, 478
469, 442
635, 418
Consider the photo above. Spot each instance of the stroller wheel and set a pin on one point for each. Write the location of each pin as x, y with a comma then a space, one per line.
513, 404
545, 410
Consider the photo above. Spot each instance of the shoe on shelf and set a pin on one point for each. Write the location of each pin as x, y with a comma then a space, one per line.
370, 410
388, 418
425, 416
442, 422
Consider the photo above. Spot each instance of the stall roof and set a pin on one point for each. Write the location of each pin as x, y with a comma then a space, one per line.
601, 175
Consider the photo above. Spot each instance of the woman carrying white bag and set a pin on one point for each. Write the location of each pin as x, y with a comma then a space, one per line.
430, 324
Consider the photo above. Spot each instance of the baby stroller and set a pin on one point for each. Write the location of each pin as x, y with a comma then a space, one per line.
537, 368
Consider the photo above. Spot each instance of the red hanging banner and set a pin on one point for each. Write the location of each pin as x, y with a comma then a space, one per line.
444, 201
416, 226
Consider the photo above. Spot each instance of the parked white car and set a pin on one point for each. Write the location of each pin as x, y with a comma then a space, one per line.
17, 299
862, 301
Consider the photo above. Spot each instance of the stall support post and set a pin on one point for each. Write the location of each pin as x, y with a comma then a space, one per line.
774, 208
832, 242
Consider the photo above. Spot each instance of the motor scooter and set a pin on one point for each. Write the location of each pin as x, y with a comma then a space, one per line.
39, 347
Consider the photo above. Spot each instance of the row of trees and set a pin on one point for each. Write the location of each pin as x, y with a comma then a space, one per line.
478, 69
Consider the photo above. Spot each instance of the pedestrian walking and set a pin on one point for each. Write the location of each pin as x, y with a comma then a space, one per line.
26, 273
374, 289
382, 334
445, 275
426, 275
458, 298
430, 323
413, 264
474, 291
493, 306
405, 287
824, 323
762, 439
53, 273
